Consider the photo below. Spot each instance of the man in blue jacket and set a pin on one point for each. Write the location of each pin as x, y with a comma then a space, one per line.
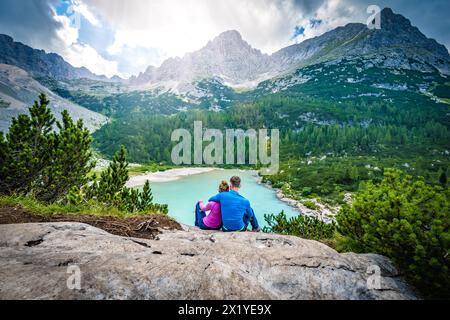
237, 213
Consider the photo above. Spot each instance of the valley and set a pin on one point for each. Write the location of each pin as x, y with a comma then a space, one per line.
364, 122
335, 106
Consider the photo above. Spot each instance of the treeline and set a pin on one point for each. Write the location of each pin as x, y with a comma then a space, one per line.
417, 141
148, 137
330, 178
365, 140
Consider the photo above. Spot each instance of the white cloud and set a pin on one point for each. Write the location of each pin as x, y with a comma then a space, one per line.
79, 54
82, 55
136, 33
332, 14
174, 27
82, 9
66, 33
177, 27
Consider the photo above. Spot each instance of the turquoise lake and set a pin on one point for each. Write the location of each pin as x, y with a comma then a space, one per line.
181, 195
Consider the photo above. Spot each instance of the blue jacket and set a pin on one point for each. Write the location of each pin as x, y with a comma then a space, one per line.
236, 211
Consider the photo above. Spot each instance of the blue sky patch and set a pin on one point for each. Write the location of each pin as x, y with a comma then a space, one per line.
298, 31
63, 7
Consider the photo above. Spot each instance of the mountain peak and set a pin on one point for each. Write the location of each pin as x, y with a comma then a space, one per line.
6, 38
230, 43
387, 11
393, 20
231, 35
228, 39
231, 58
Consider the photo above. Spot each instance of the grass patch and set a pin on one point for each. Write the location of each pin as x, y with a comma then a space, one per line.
150, 167
15, 210
91, 208
310, 205
301, 226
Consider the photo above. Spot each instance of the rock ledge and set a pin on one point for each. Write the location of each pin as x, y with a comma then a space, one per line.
34, 262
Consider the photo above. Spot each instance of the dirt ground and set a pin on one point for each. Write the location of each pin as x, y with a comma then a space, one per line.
145, 227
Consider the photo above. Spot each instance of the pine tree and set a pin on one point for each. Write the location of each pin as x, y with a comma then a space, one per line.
28, 149
131, 202
71, 161
4, 156
146, 197
52, 166
119, 168
75, 196
110, 190
35, 160
347, 179
112, 180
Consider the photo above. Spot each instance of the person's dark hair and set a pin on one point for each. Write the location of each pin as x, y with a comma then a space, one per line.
224, 187
235, 182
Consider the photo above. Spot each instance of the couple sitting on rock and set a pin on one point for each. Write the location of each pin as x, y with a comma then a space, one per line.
228, 210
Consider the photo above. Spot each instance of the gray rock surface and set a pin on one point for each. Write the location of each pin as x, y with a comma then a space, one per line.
34, 262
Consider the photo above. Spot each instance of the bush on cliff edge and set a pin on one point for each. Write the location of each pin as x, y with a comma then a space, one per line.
407, 221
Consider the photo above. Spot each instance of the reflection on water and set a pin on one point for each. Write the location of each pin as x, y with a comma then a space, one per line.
181, 195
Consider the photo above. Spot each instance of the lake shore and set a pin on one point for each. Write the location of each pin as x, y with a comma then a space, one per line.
323, 212
166, 176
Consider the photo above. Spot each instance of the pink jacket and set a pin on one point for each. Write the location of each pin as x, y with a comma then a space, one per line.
214, 218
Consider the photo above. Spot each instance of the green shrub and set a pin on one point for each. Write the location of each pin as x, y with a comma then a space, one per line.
306, 191
36, 160
53, 167
286, 189
111, 191
91, 208
300, 226
310, 205
407, 221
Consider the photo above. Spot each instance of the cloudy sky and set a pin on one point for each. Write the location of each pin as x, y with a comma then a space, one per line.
125, 36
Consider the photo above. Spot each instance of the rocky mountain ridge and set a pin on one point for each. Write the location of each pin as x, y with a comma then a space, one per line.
231, 60
38, 63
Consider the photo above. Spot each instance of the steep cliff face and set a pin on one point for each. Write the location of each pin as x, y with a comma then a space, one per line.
191, 264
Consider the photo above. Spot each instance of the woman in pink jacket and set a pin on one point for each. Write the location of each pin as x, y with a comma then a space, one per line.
212, 221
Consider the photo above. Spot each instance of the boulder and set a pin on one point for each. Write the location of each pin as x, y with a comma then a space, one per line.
78, 261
